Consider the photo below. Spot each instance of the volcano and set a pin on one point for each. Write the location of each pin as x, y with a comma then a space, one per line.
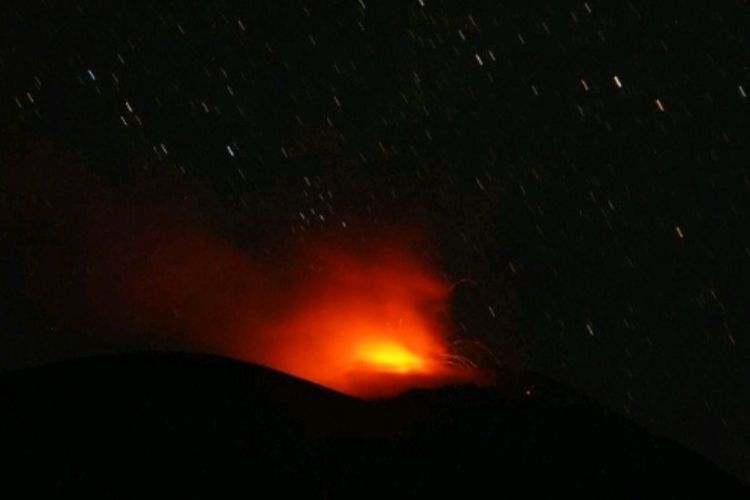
178, 422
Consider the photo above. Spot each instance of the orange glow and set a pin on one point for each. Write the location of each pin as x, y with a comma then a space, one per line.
361, 313
368, 325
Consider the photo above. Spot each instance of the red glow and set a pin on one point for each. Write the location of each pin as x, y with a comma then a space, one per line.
369, 322
366, 325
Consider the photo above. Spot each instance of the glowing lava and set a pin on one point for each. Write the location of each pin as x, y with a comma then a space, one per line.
391, 358
362, 313
369, 325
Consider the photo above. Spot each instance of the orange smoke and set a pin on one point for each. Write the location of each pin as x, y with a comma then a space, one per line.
367, 325
369, 321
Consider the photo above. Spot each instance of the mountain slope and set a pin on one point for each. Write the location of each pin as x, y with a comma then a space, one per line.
204, 424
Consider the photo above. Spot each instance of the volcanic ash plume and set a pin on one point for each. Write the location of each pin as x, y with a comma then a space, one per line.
368, 322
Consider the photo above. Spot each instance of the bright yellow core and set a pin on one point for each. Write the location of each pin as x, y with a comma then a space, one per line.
391, 357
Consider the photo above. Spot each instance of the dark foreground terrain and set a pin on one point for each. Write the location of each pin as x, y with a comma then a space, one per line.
145, 423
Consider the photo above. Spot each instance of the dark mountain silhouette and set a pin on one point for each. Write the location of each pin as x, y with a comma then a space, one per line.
139, 423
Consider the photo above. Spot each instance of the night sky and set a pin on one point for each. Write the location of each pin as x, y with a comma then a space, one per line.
581, 167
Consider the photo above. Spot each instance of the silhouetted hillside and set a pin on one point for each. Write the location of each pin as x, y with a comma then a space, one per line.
135, 424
